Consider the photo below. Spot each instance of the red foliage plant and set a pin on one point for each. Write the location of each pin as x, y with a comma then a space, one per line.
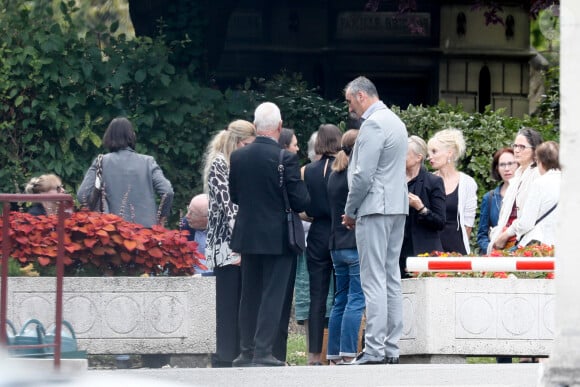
104, 244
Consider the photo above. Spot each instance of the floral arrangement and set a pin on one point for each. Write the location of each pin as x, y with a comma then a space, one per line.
538, 250
100, 244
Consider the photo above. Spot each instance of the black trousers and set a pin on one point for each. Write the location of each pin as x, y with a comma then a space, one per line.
228, 290
280, 345
319, 263
265, 281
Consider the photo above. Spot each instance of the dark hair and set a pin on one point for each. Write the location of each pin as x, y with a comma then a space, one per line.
494, 164
548, 154
533, 137
119, 135
285, 137
328, 139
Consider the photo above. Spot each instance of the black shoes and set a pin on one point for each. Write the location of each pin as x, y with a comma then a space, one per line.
244, 360
391, 360
364, 358
267, 361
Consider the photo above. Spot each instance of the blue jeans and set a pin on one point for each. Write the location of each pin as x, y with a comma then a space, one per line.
349, 304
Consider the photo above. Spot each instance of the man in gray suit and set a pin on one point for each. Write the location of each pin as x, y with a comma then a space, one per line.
377, 204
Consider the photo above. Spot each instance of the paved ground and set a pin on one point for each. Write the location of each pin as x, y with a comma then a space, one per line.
362, 376
39, 373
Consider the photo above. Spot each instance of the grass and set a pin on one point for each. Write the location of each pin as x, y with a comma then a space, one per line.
296, 352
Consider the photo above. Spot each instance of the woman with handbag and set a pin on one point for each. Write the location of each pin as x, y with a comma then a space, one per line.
537, 221
514, 201
503, 167
224, 262
128, 180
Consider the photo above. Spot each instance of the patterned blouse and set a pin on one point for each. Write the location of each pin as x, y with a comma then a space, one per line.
222, 213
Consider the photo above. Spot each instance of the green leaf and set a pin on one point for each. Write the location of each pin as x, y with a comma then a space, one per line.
19, 100
140, 76
114, 27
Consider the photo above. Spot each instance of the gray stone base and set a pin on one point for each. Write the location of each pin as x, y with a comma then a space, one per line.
433, 359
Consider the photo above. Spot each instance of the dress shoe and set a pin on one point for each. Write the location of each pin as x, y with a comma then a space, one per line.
244, 360
364, 358
267, 361
392, 360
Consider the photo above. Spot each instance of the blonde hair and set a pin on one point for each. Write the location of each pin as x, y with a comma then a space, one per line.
224, 143
418, 146
451, 139
42, 184
341, 160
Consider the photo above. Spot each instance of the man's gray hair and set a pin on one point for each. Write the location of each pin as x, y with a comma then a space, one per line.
361, 84
267, 117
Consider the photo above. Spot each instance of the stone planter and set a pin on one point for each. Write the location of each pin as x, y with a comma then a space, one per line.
446, 319
124, 315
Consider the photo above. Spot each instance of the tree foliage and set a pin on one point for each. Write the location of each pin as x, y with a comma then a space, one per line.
60, 87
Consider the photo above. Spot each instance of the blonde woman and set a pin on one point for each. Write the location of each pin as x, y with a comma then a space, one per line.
44, 184
446, 148
220, 258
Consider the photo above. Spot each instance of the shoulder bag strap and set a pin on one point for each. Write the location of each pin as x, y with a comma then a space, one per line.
547, 213
282, 183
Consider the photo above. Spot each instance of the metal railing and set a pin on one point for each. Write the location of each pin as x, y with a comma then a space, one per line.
6, 199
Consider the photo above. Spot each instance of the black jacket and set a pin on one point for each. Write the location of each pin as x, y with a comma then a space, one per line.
260, 226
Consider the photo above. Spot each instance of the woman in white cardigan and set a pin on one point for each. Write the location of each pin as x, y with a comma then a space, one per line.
537, 222
446, 147
512, 207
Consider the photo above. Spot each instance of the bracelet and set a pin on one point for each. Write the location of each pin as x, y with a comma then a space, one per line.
421, 209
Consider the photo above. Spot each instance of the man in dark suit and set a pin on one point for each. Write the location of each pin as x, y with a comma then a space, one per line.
261, 236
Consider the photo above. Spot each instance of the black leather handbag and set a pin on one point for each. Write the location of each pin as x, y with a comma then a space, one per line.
296, 241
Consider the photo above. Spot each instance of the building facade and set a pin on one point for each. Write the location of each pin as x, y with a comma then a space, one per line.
443, 51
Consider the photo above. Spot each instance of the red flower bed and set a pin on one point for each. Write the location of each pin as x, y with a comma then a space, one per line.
101, 244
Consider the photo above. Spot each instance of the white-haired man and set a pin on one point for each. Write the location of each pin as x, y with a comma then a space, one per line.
260, 235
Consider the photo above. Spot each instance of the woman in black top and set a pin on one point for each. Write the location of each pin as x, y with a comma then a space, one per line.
426, 206
349, 301
319, 262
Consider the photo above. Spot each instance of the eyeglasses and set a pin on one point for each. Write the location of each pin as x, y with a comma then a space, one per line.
60, 189
507, 165
520, 147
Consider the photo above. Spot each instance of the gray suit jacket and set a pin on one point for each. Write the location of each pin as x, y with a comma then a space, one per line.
376, 174
131, 182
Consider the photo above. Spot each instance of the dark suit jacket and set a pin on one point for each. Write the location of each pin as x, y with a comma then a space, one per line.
424, 229
261, 226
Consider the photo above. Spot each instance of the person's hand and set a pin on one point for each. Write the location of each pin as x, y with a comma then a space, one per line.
501, 241
415, 201
348, 222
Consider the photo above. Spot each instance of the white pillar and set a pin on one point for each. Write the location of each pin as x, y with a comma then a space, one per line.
563, 367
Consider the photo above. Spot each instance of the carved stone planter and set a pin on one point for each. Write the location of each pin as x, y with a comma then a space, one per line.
455, 317
124, 315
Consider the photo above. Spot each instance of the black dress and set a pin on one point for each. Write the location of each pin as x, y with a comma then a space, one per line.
451, 236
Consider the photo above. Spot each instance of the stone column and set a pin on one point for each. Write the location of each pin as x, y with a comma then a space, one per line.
563, 367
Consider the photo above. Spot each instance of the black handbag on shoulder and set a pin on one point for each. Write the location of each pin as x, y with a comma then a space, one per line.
96, 197
296, 241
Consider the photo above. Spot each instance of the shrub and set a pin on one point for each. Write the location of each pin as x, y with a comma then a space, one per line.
100, 244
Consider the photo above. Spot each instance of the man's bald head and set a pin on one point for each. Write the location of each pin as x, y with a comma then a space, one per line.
197, 212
